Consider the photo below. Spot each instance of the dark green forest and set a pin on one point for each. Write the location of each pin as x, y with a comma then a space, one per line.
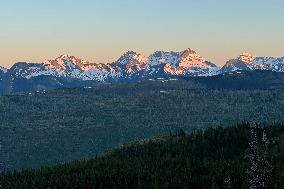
233, 157
61, 126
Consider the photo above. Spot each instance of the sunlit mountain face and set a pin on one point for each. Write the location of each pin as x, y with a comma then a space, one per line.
66, 70
135, 65
246, 61
130, 64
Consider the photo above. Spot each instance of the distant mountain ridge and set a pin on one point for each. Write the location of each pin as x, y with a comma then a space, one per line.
186, 62
66, 70
247, 61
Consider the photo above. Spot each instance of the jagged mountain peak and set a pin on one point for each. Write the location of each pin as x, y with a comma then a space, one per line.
247, 61
186, 62
181, 54
131, 56
64, 62
243, 62
65, 57
190, 55
133, 66
246, 57
189, 51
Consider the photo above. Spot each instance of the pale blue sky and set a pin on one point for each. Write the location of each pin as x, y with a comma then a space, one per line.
101, 30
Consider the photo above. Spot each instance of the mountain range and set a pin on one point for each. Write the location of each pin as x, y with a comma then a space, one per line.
247, 61
70, 71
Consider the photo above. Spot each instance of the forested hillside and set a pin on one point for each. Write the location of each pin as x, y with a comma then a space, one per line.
243, 80
55, 127
233, 157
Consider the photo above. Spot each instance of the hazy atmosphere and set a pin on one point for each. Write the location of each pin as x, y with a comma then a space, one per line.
100, 31
141, 94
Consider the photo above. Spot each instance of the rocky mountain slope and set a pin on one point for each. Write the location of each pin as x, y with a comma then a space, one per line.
69, 71
247, 61
129, 65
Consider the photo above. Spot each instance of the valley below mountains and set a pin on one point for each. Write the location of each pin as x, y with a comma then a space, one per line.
69, 123
63, 125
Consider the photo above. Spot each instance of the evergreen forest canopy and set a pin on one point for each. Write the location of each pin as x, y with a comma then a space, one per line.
244, 156
61, 126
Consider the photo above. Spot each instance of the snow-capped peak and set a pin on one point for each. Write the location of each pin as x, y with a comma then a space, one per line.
247, 57
186, 62
189, 58
64, 62
131, 62
246, 61
131, 56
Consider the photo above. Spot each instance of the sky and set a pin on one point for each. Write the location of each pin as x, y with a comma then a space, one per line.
102, 30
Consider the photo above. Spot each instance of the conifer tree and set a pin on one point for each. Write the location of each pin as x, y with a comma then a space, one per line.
253, 170
265, 165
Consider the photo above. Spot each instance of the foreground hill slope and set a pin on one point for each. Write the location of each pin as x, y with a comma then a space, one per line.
216, 158
60, 126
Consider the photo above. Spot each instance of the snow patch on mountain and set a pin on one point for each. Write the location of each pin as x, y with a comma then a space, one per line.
246, 58
187, 63
131, 63
70, 66
28, 70
247, 61
135, 66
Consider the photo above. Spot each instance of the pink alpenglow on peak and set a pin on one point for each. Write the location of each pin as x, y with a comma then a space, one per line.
249, 62
247, 57
132, 56
70, 66
134, 66
65, 61
187, 63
